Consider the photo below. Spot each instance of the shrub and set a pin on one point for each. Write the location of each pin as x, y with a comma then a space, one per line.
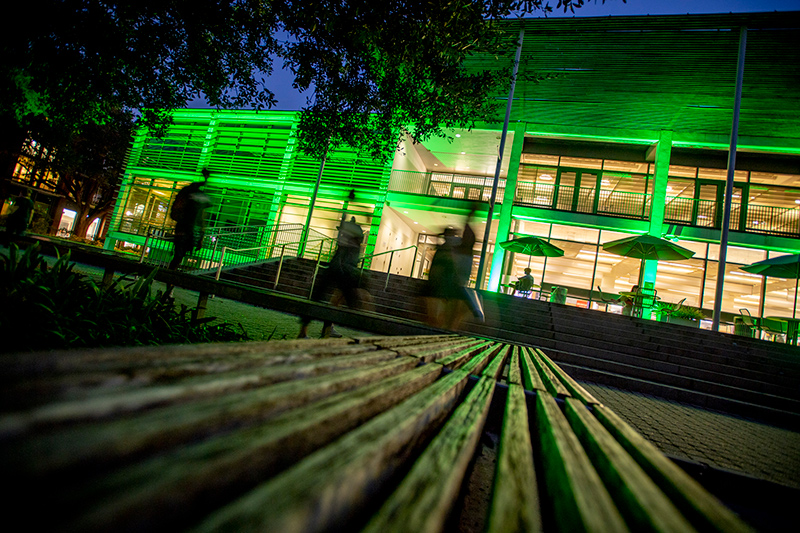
54, 307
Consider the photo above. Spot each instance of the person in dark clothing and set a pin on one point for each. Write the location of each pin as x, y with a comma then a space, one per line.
18, 220
524, 284
447, 297
188, 211
341, 276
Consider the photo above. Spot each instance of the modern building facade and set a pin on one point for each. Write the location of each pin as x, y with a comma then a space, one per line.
618, 126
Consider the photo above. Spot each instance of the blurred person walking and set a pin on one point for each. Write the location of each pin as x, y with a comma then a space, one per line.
188, 212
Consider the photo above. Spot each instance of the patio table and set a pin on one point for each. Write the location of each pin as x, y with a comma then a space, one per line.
791, 328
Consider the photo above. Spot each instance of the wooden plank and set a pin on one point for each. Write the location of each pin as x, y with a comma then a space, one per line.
457, 359
702, 509
16, 366
551, 381
436, 352
530, 374
474, 364
174, 489
579, 499
515, 502
644, 506
331, 486
407, 340
95, 446
495, 368
93, 405
426, 496
514, 373
574, 388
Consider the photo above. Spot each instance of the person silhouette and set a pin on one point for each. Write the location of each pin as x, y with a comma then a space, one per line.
188, 212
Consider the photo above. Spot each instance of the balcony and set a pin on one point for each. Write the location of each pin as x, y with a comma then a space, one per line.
584, 200
445, 185
761, 219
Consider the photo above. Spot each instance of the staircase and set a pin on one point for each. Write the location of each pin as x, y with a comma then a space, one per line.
734, 374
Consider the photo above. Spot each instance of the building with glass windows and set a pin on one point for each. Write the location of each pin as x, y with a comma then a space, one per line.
618, 126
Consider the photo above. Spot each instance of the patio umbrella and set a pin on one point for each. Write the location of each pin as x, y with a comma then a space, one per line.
532, 246
785, 266
647, 247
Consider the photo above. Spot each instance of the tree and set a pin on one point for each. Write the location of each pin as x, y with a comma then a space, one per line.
374, 66
90, 166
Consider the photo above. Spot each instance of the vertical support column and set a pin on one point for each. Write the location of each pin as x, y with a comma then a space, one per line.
726, 217
506, 209
659, 199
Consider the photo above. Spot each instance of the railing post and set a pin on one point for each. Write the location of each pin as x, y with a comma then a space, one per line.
221, 259
388, 270
144, 248
280, 266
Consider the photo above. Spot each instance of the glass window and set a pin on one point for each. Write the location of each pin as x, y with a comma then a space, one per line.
581, 162
537, 159
772, 178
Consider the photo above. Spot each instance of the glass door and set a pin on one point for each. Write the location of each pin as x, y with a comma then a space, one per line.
710, 203
576, 191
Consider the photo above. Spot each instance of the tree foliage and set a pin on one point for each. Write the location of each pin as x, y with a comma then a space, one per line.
373, 67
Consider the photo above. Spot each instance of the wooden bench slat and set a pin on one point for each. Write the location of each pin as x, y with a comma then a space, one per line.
580, 500
530, 375
574, 388
696, 503
436, 352
92, 403
188, 481
550, 379
514, 373
515, 504
329, 487
459, 358
424, 499
495, 367
94, 445
642, 503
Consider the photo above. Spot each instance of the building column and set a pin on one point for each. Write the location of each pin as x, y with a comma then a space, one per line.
663, 151
507, 206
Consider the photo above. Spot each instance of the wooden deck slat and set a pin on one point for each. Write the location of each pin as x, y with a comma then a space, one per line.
184, 483
702, 509
644, 506
580, 500
515, 502
329, 487
95, 445
426, 496
459, 358
438, 351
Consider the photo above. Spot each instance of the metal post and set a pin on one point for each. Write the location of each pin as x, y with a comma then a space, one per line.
388, 270
221, 259
280, 266
302, 247
144, 248
726, 218
481, 263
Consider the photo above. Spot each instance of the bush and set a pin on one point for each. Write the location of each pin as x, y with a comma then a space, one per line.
54, 307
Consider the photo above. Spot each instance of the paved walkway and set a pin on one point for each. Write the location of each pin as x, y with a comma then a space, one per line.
679, 430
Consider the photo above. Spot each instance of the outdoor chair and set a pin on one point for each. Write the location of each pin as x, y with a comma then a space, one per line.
774, 328
751, 322
646, 298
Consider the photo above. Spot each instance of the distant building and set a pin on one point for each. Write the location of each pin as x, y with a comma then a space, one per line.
628, 133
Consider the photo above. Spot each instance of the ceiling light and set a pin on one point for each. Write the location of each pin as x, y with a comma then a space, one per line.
406, 212
436, 164
416, 222
458, 135
463, 153
546, 177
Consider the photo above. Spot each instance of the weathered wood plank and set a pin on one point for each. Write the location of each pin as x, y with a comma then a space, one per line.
435, 352
332, 485
579, 499
702, 509
94, 446
550, 379
574, 388
514, 373
174, 489
472, 363
92, 404
644, 506
495, 367
408, 340
530, 375
424, 499
515, 500
457, 359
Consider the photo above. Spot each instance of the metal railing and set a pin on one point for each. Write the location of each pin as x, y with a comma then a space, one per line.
768, 220
583, 200
391, 258
446, 185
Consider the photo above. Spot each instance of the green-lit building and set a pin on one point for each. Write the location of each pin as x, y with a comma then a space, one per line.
629, 134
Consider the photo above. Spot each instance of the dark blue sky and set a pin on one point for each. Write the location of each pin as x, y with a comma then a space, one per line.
291, 100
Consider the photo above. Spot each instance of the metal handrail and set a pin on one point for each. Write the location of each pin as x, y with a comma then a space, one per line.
391, 258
